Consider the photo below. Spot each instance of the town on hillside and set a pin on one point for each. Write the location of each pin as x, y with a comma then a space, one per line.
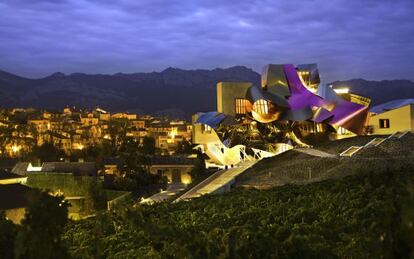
119, 153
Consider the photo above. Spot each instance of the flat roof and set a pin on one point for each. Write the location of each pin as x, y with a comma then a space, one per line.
391, 105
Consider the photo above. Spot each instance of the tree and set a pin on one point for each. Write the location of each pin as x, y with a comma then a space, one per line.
8, 234
97, 195
199, 167
117, 129
148, 146
42, 227
47, 152
184, 147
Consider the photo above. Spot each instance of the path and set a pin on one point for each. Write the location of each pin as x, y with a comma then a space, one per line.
219, 181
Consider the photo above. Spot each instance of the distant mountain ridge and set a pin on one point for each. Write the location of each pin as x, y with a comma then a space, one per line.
188, 91
171, 91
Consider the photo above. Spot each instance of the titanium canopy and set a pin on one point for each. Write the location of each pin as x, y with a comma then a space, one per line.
283, 96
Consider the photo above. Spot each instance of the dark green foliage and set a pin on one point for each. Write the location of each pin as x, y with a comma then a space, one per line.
134, 170
148, 146
362, 216
96, 195
87, 186
69, 184
184, 147
199, 168
117, 130
42, 227
8, 232
47, 153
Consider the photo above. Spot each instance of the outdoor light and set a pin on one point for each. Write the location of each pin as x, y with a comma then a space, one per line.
342, 90
15, 148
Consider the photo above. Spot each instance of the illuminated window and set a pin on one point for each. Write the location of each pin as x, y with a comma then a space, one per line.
261, 106
319, 127
343, 131
206, 128
241, 106
384, 123
305, 75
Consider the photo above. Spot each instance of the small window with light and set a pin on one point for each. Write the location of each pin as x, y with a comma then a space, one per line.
206, 128
384, 123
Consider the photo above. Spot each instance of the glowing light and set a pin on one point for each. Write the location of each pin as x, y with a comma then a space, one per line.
173, 133
342, 90
31, 168
15, 148
79, 146
186, 180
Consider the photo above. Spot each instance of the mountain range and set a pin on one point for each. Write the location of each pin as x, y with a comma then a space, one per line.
172, 92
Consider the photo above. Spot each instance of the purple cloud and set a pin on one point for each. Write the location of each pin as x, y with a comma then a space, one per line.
347, 38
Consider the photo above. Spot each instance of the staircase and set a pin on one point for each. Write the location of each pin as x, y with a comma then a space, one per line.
398, 134
314, 152
218, 182
351, 151
375, 142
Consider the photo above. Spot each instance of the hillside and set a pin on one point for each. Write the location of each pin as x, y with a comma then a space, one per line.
172, 89
173, 92
363, 216
295, 167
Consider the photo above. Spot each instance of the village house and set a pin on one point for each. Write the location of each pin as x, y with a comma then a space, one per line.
176, 168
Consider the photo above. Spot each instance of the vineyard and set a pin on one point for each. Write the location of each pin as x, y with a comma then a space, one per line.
298, 168
363, 215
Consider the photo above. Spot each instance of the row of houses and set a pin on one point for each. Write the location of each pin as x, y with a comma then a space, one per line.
73, 129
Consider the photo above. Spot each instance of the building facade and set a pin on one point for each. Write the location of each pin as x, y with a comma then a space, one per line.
390, 117
289, 108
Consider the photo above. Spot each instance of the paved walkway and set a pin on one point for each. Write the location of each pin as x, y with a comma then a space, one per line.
216, 181
314, 152
172, 190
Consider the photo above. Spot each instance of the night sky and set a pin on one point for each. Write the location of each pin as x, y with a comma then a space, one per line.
371, 39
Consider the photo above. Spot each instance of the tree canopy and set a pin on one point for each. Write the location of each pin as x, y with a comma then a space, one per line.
39, 235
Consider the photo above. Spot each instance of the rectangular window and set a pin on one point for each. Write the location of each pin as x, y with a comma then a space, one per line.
206, 128
261, 106
384, 123
241, 106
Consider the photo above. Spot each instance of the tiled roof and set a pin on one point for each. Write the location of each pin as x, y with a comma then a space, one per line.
20, 168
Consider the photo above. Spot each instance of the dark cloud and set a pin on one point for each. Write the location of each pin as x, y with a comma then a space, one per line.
348, 38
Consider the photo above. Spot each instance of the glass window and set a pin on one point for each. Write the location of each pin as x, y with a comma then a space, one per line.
384, 123
261, 106
241, 106
206, 128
